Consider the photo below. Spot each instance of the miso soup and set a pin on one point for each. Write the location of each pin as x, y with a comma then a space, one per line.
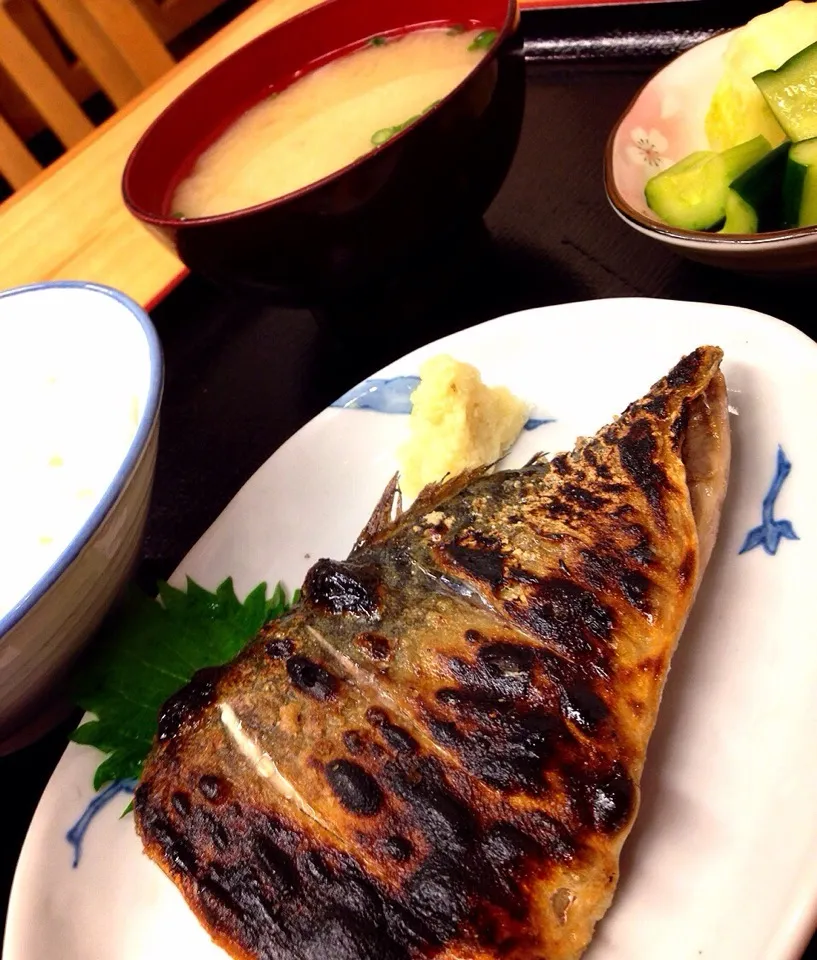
328, 119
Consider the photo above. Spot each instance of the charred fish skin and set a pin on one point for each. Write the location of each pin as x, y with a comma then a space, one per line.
438, 752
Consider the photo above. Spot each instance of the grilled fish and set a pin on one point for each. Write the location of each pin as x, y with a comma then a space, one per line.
438, 751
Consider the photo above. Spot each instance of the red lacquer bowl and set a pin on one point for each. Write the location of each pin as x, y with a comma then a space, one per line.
342, 232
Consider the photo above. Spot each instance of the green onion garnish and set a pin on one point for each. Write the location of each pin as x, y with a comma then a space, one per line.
382, 135
483, 40
386, 133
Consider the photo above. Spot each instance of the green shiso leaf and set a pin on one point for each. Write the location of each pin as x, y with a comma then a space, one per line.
147, 651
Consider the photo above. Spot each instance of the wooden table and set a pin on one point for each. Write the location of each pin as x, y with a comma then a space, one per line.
70, 221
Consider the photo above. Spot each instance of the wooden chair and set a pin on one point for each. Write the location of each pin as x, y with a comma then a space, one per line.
115, 43
169, 18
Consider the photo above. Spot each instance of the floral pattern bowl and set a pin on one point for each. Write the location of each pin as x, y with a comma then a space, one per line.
663, 124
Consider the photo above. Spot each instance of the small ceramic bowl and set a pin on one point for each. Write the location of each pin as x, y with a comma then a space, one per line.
663, 124
337, 234
68, 543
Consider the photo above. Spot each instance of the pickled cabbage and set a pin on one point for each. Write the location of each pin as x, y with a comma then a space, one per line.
738, 111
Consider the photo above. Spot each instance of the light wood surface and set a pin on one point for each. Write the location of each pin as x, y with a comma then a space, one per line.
106, 64
26, 67
70, 221
129, 31
44, 21
14, 106
16, 164
171, 17
117, 45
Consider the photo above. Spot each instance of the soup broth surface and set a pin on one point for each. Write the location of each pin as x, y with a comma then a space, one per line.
327, 119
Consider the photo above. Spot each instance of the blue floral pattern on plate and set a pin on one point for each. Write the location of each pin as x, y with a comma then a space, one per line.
76, 834
393, 395
770, 532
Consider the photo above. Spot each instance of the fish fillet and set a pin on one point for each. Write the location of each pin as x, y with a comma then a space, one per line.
438, 752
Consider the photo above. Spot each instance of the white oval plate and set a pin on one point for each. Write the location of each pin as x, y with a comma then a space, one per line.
722, 862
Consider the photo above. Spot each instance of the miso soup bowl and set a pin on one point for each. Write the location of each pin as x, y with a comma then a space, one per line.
663, 124
104, 349
336, 235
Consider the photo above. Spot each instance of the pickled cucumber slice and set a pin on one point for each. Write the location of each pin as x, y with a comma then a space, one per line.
739, 158
761, 187
740, 216
691, 194
800, 185
791, 92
